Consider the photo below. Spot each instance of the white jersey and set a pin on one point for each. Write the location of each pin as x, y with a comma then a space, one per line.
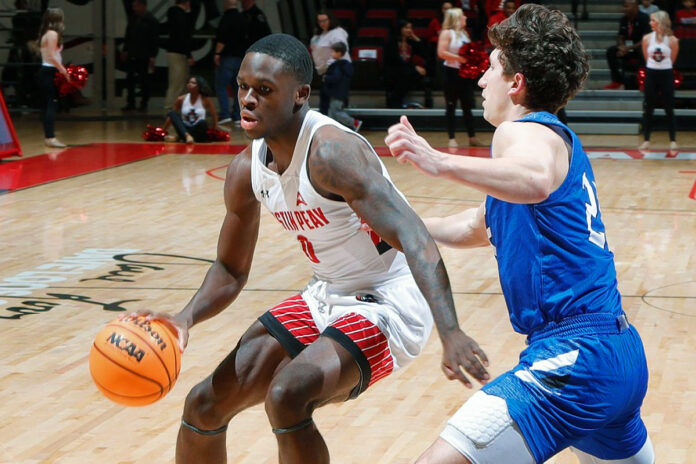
328, 231
659, 53
192, 113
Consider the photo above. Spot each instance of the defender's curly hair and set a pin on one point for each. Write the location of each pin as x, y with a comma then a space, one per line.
290, 51
542, 45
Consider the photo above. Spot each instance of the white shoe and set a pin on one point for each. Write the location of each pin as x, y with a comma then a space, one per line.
225, 121
55, 143
452, 143
171, 138
645, 145
673, 146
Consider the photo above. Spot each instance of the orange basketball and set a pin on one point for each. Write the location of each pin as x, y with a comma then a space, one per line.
134, 361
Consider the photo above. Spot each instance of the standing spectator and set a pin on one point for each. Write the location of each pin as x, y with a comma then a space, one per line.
435, 26
626, 53
509, 7
337, 84
574, 9
405, 66
189, 113
452, 37
327, 32
647, 7
139, 52
687, 15
257, 23
179, 56
229, 51
51, 43
660, 49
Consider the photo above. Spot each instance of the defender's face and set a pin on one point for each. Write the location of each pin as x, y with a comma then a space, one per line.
495, 85
267, 95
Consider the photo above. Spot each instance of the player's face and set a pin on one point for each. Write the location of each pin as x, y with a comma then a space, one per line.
268, 95
496, 86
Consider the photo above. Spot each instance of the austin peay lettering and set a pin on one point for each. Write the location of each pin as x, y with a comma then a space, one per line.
302, 220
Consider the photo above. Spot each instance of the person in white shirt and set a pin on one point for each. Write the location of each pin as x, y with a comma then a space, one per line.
51, 43
660, 49
189, 114
327, 33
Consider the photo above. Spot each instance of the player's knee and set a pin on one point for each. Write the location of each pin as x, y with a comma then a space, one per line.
200, 408
289, 396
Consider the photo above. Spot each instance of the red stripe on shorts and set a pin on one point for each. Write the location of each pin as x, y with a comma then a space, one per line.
295, 316
371, 342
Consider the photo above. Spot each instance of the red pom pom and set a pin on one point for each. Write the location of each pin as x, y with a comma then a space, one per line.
640, 77
154, 134
217, 135
476, 60
78, 80
678, 79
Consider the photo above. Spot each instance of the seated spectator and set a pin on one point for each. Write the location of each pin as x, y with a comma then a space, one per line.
687, 15
337, 85
327, 32
189, 113
435, 25
405, 66
627, 51
509, 7
647, 7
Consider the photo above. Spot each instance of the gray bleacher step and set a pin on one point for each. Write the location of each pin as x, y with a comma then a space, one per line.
610, 25
624, 128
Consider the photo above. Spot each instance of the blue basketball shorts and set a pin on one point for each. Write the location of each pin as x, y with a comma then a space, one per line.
579, 388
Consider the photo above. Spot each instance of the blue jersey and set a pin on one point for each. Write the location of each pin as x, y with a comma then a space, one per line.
553, 257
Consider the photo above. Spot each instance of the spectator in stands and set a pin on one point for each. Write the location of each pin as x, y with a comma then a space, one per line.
435, 26
405, 60
336, 83
179, 58
189, 113
327, 32
660, 49
456, 88
647, 7
51, 43
256, 22
509, 7
687, 15
627, 51
574, 9
229, 51
139, 51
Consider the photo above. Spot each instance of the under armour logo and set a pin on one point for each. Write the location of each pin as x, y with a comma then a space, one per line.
264, 194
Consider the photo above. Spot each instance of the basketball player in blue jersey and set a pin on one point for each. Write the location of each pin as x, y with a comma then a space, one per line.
581, 380
367, 309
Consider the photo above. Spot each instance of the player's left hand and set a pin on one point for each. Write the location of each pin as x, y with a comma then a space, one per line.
460, 350
408, 147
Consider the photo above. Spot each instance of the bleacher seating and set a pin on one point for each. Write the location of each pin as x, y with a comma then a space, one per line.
686, 63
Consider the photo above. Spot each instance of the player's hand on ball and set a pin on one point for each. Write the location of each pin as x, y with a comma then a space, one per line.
460, 350
177, 327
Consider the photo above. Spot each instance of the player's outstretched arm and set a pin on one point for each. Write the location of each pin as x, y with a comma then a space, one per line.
342, 165
529, 161
228, 274
462, 230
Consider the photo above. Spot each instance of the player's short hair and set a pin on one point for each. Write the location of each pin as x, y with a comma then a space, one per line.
339, 47
541, 44
290, 51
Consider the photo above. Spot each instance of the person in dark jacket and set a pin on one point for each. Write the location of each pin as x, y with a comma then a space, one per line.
229, 50
627, 51
179, 47
405, 66
257, 23
337, 85
139, 51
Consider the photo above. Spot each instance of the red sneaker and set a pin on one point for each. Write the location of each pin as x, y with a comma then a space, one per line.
614, 86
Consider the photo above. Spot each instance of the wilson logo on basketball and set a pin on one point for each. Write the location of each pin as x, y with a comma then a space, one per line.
145, 325
122, 343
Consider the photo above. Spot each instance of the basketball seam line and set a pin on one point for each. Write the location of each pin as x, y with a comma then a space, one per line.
127, 368
164, 365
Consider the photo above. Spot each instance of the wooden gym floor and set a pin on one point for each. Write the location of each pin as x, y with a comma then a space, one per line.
137, 236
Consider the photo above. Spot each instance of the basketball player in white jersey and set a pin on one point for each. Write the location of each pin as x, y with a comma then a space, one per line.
369, 307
